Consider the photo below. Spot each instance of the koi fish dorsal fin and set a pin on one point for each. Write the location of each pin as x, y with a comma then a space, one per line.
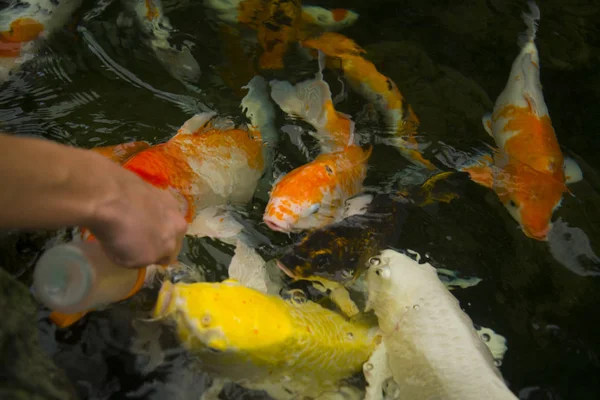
572, 170
197, 122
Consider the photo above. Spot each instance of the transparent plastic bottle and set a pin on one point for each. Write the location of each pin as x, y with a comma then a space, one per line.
78, 276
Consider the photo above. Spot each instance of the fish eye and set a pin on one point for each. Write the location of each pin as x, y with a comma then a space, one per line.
329, 170
314, 209
374, 261
513, 203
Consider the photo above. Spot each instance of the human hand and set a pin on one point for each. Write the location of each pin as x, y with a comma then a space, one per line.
136, 223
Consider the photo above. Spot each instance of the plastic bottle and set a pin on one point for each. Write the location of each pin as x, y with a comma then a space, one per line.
77, 277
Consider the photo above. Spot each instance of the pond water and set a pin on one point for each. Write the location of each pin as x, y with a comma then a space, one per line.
96, 82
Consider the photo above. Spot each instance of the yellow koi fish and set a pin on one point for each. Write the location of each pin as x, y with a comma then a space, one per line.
528, 171
363, 77
289, 348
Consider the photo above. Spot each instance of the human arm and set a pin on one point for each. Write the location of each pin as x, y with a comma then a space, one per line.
46, 185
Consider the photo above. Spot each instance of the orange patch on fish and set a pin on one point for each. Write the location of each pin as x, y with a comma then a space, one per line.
481, 171
22, 30
207, 141
339, 14
534, 142
338, 125
152, 11
535, 193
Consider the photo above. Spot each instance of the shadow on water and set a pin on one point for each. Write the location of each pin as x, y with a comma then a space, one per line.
94, 84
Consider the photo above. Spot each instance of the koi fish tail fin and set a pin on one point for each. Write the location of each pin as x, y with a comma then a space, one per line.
531, 20
250, 269
260, 111
311, 101
478, 165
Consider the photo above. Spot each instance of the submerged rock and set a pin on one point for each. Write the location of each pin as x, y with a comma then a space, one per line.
30, 374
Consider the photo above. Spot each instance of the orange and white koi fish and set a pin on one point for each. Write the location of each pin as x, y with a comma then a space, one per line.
363, 77
314, 194
528, 171
24, 24
279, 23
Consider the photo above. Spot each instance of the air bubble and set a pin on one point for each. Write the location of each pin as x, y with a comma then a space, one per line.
416, 307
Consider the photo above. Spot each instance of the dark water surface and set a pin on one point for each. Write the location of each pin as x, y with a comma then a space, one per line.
95, 83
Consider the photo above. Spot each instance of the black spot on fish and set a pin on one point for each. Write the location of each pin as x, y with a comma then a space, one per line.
271, 26
329, 170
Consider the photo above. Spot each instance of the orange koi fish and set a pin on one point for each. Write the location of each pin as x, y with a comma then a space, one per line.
314, 194
22, 26
279, 23
363, 77
528, 171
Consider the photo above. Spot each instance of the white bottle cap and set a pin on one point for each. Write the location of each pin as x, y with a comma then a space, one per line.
63, 277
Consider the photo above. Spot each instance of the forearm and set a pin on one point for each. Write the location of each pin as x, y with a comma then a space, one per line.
46, 185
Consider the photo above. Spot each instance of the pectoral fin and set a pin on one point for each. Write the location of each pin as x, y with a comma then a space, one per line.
376, 371
487, 123
121, 152
572, 171
480, 171
215, 222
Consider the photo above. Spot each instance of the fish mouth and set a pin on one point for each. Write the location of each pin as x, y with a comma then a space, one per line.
276, 225
541, 234
285, 269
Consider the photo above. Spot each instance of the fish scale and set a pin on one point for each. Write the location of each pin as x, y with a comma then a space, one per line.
260, 339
